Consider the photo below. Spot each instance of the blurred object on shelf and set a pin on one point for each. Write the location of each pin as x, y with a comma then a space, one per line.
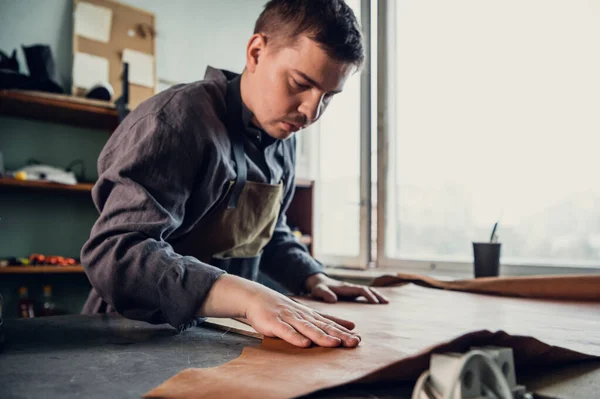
45, 173
303, 238
42, 70
26, 305
36, 171
101, 91
12, 261
54, 260
9, 63
39, 260
295, 231
48, 307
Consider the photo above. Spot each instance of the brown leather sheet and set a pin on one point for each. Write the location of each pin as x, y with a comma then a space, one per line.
397, 340
567, 287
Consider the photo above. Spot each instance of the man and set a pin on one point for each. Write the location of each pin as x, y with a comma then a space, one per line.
195, 182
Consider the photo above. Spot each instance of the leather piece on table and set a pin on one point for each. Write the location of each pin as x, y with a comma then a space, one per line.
397, 341
564, 287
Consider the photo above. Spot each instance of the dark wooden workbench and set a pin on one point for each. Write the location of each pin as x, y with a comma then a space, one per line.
112, 357
106, 356
103, 356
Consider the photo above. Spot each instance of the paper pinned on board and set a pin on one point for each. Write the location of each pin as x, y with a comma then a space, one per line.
89, 70
93, 22
141, 67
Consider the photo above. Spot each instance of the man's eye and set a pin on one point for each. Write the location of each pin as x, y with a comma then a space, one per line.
301, 85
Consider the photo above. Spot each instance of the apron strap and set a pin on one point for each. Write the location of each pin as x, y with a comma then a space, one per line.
234, 114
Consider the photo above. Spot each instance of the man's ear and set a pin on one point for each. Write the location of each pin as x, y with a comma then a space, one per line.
254, 50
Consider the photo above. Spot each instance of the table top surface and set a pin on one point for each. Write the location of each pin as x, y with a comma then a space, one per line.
100, 356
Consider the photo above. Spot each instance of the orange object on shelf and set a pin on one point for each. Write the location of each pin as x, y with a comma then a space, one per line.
53, 260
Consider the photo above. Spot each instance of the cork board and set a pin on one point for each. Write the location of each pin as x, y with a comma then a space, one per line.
125, 19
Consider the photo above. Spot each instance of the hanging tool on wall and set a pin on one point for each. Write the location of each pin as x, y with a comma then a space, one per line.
122, 103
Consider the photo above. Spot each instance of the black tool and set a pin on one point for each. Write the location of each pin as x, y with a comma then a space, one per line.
122, 103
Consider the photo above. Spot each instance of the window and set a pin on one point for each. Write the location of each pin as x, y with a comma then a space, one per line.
339, 170
494, 117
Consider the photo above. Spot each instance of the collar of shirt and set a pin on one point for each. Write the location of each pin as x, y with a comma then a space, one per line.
255, 133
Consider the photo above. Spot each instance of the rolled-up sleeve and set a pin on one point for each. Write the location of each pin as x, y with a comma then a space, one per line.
284, 258
141, 195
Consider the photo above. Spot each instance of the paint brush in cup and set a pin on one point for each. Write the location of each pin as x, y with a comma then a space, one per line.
494, 237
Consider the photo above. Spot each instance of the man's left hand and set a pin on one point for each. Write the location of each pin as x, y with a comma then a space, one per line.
330, 290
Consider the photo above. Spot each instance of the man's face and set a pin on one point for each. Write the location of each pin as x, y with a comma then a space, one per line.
290, 87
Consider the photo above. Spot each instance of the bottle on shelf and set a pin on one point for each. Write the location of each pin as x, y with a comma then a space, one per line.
26, 306
49, 307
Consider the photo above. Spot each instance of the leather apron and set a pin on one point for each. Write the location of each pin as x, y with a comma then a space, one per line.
234, 233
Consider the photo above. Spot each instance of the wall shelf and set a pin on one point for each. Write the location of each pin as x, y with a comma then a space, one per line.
41, 269
57, 108
7, 183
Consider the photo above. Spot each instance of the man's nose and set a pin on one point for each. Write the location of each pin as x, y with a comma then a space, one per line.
311, 107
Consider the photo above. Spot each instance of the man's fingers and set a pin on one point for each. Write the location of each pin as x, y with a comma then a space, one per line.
314, 333
289, 334
380, 296
355, 291
337, 324
348, 339
342, 322
323, 292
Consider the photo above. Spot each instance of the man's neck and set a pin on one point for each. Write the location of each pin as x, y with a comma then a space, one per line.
244, 92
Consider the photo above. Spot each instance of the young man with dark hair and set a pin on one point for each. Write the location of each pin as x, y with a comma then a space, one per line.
195, 182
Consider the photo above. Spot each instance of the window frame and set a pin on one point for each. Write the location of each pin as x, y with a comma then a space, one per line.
363, 259
386, 125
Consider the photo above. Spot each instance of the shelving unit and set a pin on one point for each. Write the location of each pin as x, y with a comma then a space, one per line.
300, 212
79, 112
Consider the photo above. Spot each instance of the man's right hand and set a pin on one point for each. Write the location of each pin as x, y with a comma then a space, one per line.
275, 315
